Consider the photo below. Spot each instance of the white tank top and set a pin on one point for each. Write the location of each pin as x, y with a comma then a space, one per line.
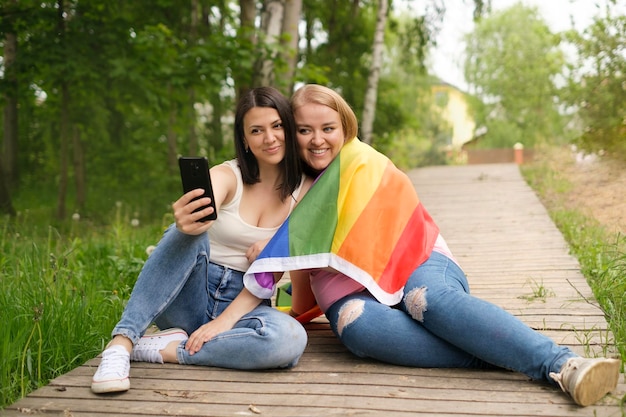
230, 236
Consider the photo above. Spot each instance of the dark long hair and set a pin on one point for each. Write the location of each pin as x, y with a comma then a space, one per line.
291, 166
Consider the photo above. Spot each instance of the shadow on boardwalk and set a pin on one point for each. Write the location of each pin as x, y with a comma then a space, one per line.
513, 255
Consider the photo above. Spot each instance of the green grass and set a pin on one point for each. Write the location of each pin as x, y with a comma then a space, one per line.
539, 292
601, 254
61, 293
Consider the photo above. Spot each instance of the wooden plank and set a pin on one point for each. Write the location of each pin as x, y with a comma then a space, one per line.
501, 235
192, 389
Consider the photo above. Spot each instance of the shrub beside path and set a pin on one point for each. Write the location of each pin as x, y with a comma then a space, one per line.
513, 255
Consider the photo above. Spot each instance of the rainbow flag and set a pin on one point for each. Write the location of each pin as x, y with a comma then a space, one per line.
362, 217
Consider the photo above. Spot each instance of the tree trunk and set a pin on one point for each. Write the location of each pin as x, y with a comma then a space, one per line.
193, 136
10, 148
64, 150
271, 27
246, 32
216, 135
289, 42
371, 94
193, 36
216, 138
80, 180
172, 157
64, 128
6, 206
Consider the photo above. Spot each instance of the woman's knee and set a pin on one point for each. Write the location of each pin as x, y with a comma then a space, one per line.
280, 328
286, 345
174, 239
349, 313
415, 303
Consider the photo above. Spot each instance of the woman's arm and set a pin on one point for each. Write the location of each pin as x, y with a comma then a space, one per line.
245, 301
241, 305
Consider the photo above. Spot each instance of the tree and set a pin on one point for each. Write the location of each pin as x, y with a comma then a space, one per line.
371, 93
64, 130
289, 44
271, 28
512, 61
596, 81
10, 87
6, 205
246, 36
111, 92
277, 44
339, 38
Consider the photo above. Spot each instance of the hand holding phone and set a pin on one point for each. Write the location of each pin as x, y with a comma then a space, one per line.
194, 172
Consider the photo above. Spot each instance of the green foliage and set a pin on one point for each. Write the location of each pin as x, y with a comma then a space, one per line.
407, 149
346, 31
127, 73
408, 126
596, 82
512, 60
61, 293
126, 88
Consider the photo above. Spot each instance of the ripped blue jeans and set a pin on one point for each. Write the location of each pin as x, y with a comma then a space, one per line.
439, 324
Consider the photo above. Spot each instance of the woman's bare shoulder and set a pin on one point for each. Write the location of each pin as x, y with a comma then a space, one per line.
224, 183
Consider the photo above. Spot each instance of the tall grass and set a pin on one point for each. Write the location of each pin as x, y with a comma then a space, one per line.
62, 289
601, 253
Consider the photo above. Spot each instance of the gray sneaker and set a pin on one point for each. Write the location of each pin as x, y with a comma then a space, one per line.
587, 380
113, 371
149, 346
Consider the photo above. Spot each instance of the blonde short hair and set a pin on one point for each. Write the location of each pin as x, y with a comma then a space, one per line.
318, 94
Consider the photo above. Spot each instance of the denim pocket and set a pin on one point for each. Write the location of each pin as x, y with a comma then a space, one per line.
223, 286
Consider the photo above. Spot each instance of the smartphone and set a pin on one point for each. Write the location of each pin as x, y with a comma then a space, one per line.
194, 172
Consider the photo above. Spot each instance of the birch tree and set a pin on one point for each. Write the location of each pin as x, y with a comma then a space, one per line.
371, 93
271, 28
289, 43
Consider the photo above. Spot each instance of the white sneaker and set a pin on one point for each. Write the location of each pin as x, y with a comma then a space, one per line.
588, 380
148, 347
113, 371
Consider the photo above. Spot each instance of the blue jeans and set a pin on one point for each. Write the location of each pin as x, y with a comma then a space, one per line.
179, 287
439, 324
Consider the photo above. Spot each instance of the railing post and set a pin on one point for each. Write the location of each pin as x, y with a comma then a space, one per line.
518, 153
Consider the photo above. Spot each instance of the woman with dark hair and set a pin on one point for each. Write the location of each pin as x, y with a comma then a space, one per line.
290, 166
197, 268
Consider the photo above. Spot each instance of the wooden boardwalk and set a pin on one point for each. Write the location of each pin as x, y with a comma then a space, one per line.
514, 256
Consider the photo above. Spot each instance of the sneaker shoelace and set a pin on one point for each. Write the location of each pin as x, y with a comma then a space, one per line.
114, 363
558, 378
147, 352
570, 367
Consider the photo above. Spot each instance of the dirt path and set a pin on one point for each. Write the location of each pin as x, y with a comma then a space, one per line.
598, 185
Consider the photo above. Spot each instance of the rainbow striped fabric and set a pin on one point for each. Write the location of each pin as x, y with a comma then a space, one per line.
362, 217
